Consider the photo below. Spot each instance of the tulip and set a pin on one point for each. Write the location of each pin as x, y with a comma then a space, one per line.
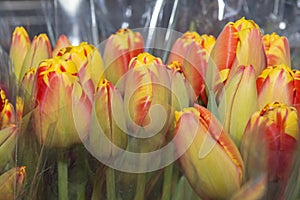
88, 63
239, 43
192, 52
297, 90
12, 182
272, 78
55, 87
20, 44
110, 116
39, 50
120, 48
210, 160
62, 42
238, 102
147, 99
277, 49
275, 131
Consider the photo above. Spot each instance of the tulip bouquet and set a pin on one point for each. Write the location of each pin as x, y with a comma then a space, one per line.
217, 119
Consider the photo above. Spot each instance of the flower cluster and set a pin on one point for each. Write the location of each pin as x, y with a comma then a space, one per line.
220, 116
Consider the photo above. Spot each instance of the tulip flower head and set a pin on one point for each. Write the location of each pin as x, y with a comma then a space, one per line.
120, 48
20, 44
239, 43
192, 52
12, 182
147, 98
277, 49
274, 77
276, 129
55, 85
211, 151
110, 134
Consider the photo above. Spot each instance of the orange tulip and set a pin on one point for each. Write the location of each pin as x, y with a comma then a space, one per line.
274, 131
192, 52
212, 163
277, 49
120, 48
62, 42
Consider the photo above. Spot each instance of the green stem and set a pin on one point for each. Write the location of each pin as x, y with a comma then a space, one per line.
167, 185
81, 192
110, 184
140, 187
62, 168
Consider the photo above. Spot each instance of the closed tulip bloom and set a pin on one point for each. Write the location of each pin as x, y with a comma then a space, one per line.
120, 48
55, 87
212, 163
12, 182
277, 49
238, 102
192, 51
110, 115
239, 43
147, 98
276, 131
39, 50
20, 44
275, 77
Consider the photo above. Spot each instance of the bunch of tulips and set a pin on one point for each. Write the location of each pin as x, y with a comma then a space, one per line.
218, 119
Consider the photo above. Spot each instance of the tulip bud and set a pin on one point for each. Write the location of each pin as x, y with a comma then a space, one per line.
20, 44
275, 131
192, 52
120, 48
210, 152
239, 43
62, 42
272, 78
110, 115
55, 87
39, 50
7, 111
147, 99
238, 102
11, 183
277, 49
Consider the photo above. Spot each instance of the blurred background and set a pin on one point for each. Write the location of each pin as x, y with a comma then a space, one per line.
94, 20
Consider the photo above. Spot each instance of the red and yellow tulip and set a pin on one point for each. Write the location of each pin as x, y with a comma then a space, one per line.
277, 49
275, 77
120, 48
238, 102
12, 182
275, 131
212, 163
110, 117
20, 44
56, 83
147, 98
192, 52
88, 62
239, 43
